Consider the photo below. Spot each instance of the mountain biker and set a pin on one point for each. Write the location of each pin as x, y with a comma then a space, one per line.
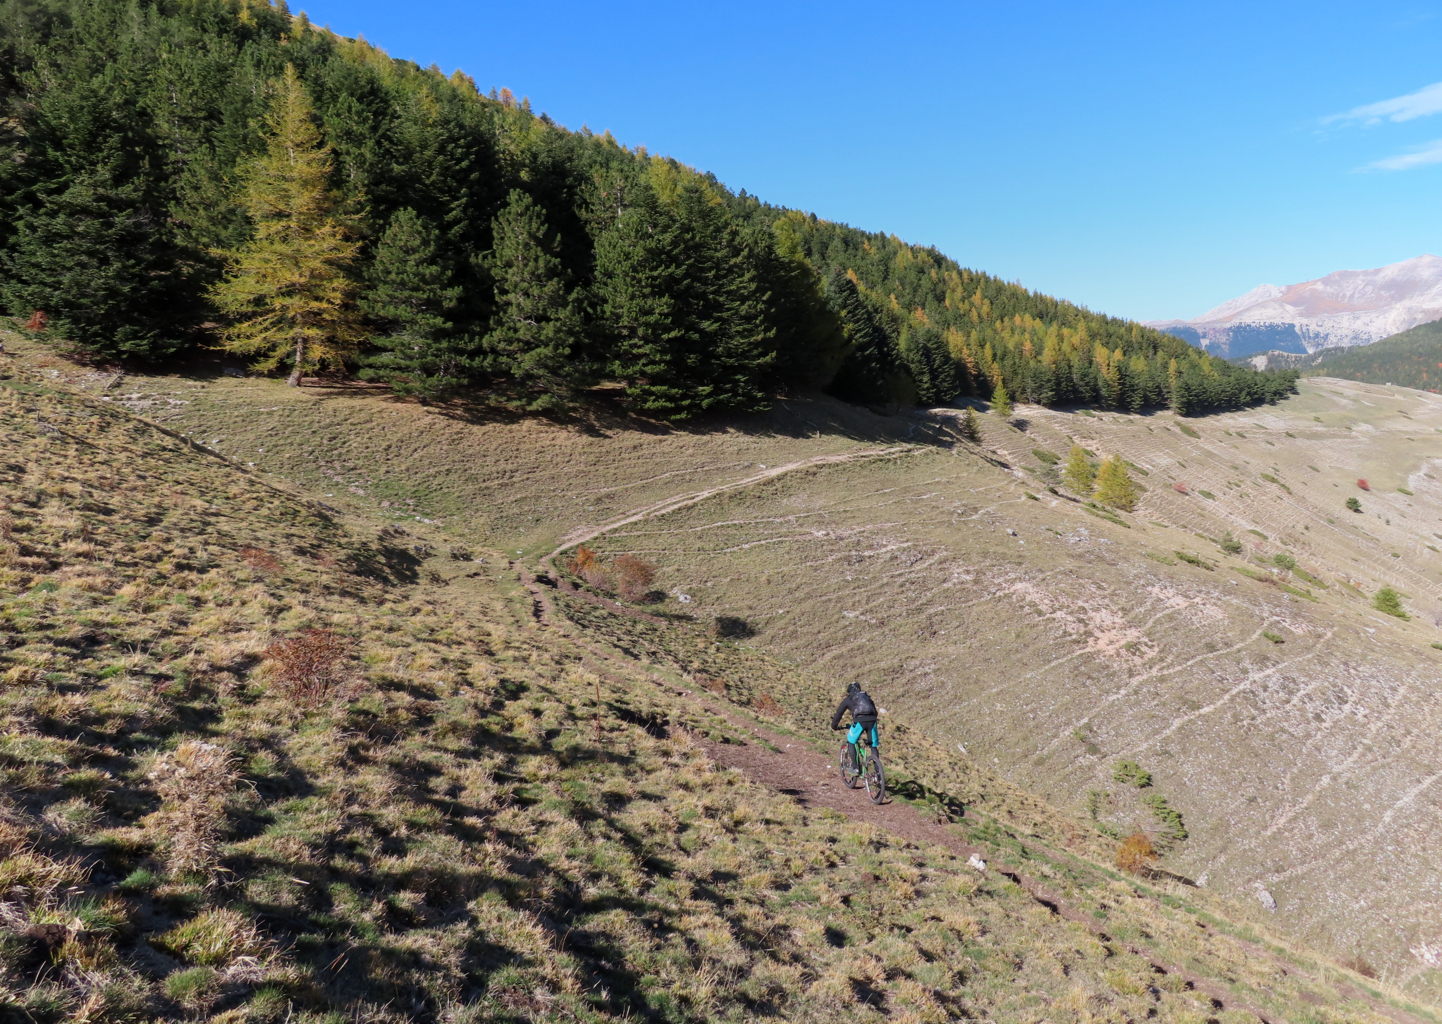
863, 716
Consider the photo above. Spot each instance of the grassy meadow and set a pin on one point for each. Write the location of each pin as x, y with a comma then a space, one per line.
288, 742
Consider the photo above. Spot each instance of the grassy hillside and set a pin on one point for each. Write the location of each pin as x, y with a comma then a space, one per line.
274, 758
1412, 359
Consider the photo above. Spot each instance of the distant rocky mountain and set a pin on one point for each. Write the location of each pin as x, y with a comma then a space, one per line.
1345, 308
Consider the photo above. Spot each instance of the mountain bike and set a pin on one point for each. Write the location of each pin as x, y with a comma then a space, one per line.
864, 767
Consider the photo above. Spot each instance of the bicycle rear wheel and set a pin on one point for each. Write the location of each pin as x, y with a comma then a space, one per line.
850, 773
875, 777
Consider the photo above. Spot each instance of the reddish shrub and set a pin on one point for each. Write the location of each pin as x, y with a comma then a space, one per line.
309, 666
634, 577
1363, 484
262, 562
38, 322
714, 685
768, 706
1180, 488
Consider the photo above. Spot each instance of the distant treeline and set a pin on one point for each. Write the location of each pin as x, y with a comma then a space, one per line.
1412, 359
183, 173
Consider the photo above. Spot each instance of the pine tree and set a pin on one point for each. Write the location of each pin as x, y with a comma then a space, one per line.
411, 293
1001, 400
534, 335
871, 359
684, 306
1114, 485
97, 259
1078, 473
287, 294
969, 428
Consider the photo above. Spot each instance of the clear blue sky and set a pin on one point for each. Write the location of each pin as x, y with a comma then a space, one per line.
1148, 160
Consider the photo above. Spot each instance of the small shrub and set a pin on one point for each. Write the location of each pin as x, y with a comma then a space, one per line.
1230, 544
1049, 458
1354, 505
634, 577
307, 667
37, 323
1169, 816
1363, 484
1389, 602
1403, 490
1186, 429
1180, 488
1207, 494
1284, 561
1136, 855
1276, 638
731, 627
597, 578
1200, 563
1132, 774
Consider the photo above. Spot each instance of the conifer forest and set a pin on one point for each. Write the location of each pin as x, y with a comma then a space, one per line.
183, 175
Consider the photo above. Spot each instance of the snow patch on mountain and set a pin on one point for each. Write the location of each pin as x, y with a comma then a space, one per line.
1347, 307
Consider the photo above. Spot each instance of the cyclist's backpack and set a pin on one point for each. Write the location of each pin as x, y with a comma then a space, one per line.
862, 706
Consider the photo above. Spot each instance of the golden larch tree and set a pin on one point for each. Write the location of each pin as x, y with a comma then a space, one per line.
1114, 485
286, 292
1078, 473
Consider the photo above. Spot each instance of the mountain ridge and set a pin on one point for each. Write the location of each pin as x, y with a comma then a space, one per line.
1342, 309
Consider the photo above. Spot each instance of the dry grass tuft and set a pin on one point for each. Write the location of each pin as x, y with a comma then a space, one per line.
195, 782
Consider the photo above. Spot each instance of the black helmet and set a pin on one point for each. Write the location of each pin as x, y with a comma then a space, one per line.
853, 687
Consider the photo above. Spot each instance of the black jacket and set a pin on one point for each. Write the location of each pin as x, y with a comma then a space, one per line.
861, 706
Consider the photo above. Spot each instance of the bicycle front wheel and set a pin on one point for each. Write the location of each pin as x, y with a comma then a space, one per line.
875, 778
850, 774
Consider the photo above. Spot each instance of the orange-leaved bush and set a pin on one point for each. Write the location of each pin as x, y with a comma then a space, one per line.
1136, 854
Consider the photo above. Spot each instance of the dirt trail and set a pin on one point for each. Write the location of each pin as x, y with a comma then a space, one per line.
797, 770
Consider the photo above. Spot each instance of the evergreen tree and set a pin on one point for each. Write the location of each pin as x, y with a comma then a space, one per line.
969, 428
535, 334
683, 304
1176, 389
287, 294
411, 294
98, 261
811, 341
1078, 473
1000, 400
1114, 484
869, 366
